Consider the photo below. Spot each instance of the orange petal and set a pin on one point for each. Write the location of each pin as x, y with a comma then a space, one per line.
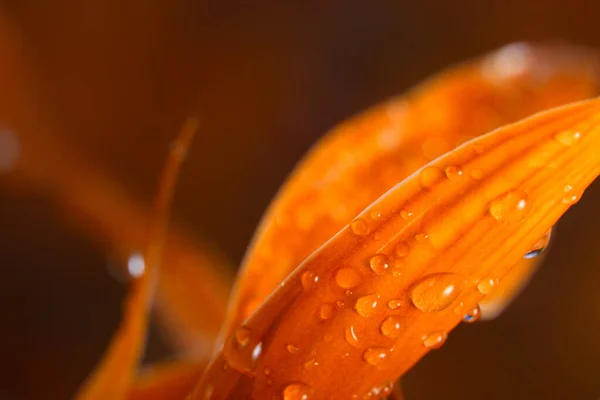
166, 381
113, 375
515, 281
447, 242
365, 156
193, 273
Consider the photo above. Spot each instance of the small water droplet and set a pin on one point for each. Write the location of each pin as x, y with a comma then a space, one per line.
380, 263
569, 200
454, 173
421, 237
429, 176
326, 311
539, 246
394, 304
376, 355
366, 306
268, 371
353, 335
568, 138
487, 285
476, 174
391, 326
309, 364
297, 391
473, 315
242, 336
405, 214
309, 280
375, 214
435, 340
402, 249
136, 266
359, 227
510, 206
347, 278
292, 349
436, 292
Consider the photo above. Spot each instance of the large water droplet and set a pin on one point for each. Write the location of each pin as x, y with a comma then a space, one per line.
487, 285
454, 173
359, 227
376, 355
473, 315
509, 207
391, 326
354, 334
429, 176
435, 340
297, 391
568, 138
326, 311
367, 305
309, 280
436, 292
539, 246
380, 263
347, 278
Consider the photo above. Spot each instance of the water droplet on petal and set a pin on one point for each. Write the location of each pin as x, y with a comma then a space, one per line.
375, 214
242, 336
347, 278
326, 311
359, 227
405, 214
354, 334
391, 326
379, 263
421, 237
473, 315
568, 138
509, 207
292, 349
309, 280
297, 391
366, 306
394, 304
435, 340
376, 355
539, 247
436, 292
487, 285
454, 173
136, 266
429, 176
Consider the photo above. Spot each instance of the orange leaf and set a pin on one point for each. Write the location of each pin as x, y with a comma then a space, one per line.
393, 283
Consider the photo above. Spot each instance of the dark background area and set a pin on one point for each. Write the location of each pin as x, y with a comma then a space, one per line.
117, 78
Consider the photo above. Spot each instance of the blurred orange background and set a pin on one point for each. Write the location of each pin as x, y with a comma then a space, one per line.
111, 82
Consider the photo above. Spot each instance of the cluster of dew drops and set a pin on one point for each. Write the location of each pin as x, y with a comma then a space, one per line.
432, 293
